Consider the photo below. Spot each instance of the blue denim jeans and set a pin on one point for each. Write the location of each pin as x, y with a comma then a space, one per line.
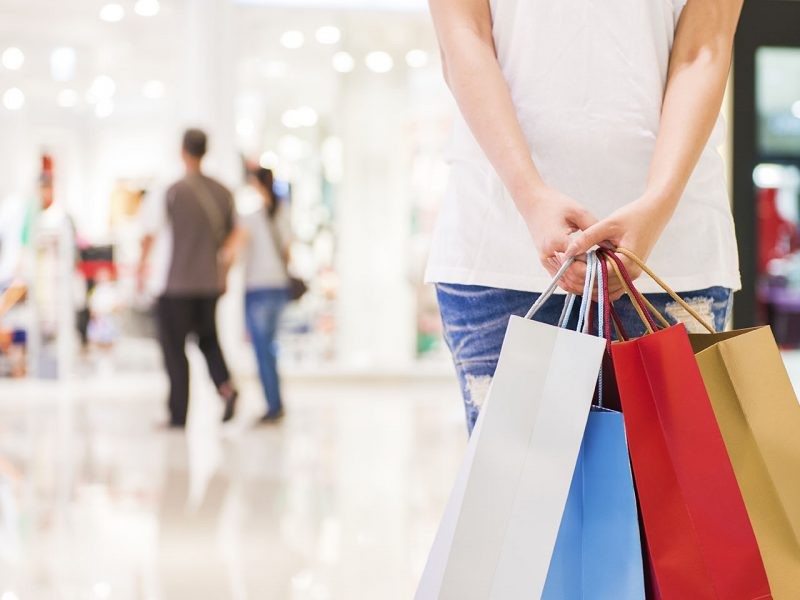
262, 309
475, 320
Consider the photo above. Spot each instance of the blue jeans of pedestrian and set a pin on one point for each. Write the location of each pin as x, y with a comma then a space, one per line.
262, 310
475, 320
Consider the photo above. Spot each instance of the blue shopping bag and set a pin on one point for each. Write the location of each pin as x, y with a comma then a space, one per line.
598, 552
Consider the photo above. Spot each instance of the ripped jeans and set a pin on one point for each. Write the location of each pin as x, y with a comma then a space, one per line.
475, 320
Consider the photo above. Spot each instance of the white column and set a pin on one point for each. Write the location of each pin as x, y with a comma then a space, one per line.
208, 87
375, 326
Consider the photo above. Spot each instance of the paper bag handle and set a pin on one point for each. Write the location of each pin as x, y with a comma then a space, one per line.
551, 288
569, 301
640, 263
636, 299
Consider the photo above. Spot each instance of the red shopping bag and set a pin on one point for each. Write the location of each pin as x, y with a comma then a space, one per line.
700, 540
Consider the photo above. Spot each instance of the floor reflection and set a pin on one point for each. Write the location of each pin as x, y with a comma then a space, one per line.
339, 502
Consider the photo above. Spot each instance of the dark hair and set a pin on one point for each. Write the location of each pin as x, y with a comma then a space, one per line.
267, 179
195, 142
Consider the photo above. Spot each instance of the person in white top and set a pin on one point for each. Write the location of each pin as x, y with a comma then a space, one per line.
264, 237
580, 124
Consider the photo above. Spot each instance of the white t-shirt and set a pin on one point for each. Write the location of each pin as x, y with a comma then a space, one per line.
587, 80
264, 267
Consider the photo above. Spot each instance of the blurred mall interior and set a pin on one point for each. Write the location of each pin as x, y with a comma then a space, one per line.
345, 102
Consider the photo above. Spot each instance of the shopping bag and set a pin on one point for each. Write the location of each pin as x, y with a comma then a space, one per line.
700, 539
598, 552
758, 414
497, 535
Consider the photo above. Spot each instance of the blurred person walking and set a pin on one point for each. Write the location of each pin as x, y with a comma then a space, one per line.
264, 236
198, 212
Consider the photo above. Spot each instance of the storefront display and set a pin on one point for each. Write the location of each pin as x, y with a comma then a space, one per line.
777, 192
353, 126
766, 167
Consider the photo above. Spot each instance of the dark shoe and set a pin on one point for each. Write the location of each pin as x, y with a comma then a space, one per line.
272, 417
230, 407
170, 425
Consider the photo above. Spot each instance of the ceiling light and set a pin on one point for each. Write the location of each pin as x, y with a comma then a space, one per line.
62, 63
293, 39
13, 58
245, 127
104, 108
328, 34
416, 58
67, 98
13, 99
768, 175
153, 89
102, 88
343, 62
379, 62
308, 116
112, 12
9, 595
147, 8
268, 160
796, 109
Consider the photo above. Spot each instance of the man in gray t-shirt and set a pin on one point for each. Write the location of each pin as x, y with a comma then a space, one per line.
199, 212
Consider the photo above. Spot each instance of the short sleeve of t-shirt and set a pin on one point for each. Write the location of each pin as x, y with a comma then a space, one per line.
153, 214
253, 222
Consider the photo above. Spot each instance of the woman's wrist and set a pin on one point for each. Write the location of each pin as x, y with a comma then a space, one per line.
529, 198
658, 206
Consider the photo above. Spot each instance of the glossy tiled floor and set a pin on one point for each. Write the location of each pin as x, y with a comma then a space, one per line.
340, 502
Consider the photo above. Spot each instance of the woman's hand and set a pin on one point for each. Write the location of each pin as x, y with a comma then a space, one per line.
635, 227
551, 218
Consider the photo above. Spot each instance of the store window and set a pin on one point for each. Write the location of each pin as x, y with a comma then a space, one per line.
777, 190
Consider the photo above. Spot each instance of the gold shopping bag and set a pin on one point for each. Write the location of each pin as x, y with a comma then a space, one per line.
759, 417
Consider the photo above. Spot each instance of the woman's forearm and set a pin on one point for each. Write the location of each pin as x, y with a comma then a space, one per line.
477, 83
698, 73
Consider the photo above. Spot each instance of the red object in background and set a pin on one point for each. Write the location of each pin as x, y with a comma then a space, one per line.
92, 269
47, 165
97, 260
774, 232
46, 182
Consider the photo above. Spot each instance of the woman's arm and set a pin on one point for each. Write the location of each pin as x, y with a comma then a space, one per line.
698, 73
471, 69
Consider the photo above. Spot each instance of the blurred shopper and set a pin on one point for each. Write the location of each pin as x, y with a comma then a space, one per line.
199, 212
573, 112
264, 236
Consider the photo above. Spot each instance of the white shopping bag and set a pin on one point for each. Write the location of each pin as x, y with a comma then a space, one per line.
499, 528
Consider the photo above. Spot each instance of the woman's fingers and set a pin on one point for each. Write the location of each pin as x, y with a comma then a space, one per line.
616, 295
574, 278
